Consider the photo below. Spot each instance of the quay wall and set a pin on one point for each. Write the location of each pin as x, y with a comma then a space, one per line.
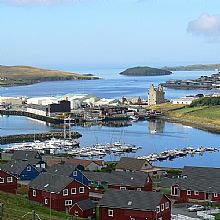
38, 136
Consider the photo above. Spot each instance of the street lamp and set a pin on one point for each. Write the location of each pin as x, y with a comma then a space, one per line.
51, 203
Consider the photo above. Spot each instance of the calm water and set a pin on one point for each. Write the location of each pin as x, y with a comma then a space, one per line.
167, 136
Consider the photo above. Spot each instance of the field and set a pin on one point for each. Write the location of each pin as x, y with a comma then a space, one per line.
18, 207
22, 75
204, 117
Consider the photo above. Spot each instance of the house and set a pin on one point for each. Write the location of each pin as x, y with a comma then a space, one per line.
8, 182
134, 205
132, 164
121, 180
197, 183
92, 165
70, 170
83, 209
184, 100
32, 157
56, 191
23, 170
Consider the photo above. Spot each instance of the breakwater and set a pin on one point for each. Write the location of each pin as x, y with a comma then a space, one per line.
38, 136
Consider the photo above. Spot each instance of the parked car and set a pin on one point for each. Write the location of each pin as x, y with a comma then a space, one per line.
195, 208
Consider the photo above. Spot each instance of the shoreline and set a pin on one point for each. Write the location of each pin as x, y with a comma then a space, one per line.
199, 125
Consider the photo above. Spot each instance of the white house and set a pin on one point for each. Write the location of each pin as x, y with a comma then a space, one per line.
184, 100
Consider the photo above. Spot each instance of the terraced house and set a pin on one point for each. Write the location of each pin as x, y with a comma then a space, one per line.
197, 183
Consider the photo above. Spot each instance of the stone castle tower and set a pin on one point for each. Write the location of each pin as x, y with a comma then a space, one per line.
156, 96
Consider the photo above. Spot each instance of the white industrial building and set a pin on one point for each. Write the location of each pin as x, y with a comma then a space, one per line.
12, 100
184, 100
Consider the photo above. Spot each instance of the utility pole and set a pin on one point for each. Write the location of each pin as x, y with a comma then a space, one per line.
33, 215
1, 211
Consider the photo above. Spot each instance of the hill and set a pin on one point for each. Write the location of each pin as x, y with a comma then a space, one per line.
145, 71
195, 67
24, 75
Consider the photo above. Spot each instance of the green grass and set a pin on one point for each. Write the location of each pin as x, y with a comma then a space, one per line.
166, 191
16, 206
187, 110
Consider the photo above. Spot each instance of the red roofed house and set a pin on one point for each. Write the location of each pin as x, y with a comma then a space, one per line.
8, 182
57, 191
92, 165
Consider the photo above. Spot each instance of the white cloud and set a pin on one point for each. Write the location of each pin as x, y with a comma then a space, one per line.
206, 25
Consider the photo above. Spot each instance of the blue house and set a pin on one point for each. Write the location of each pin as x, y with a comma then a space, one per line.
23, 170
70, 170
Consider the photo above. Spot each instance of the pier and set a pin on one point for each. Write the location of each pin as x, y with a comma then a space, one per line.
38, 136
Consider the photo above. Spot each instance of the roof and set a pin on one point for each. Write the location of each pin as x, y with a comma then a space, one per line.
50, 182
62, 169
131, 199
32, 157
200, 179
85, 204
15, 167
167, 182
129, 163
119, 178
84, 163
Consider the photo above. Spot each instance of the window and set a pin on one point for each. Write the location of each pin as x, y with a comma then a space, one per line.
28, 168
34, 192
132, 218
76, 213
45, 201
196, 193
65, 192
74, 173
161, 218
110, 212
9, 179
2, 180
73, 191
81, 189
167, 205
68, 202
138, 189
123, 188
162, 207
215, 195
188, 192
158, 209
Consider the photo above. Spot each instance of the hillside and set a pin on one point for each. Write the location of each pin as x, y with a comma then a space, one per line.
145, 71
196, 67
24, 75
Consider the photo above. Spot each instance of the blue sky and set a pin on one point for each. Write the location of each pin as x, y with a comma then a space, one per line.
109, 32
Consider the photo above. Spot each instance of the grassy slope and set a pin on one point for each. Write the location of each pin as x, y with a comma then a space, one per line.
27, 75
202, 117
16, 206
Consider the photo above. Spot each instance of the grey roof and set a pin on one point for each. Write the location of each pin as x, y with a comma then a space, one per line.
50, 182
129, 163
125, 199
118, 178
14, 166
86, 204
167, 182
62, 169
32, 157
200, 179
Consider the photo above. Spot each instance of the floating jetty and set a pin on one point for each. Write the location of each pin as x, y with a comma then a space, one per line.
176, 153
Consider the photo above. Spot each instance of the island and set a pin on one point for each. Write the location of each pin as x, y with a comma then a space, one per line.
145, 71
195, 67
25, 75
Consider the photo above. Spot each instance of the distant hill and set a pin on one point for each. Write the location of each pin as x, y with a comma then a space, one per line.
24, 75
195, 67
145, 71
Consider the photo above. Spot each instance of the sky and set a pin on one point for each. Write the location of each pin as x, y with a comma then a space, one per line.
109, 32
